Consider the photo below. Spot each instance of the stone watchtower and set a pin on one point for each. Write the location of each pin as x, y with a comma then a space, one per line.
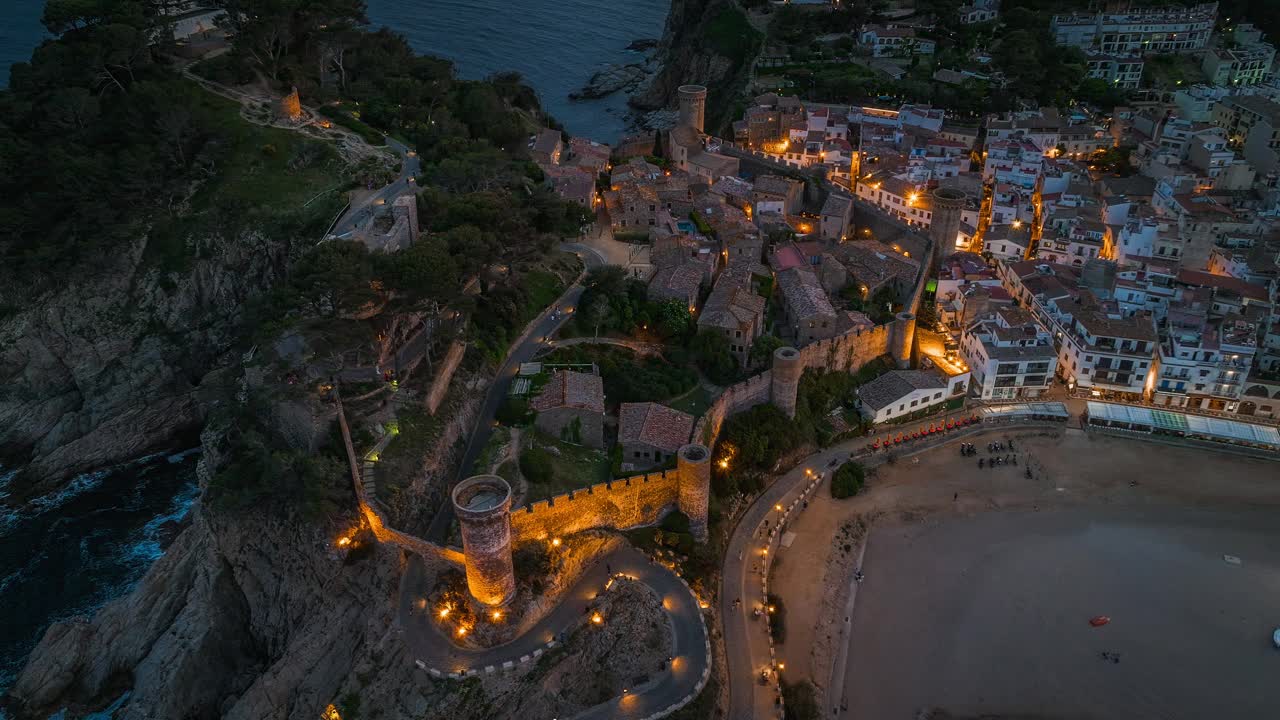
483, 506
902, 338
693, 106
788, 366
693, 463
948, 204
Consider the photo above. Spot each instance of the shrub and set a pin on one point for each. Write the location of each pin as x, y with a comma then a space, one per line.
676, 522
847, 480
535, 465
513, 411
800, 701
777, 619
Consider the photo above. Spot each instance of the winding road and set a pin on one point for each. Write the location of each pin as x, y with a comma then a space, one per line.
673, 687
525, 349
405, 184
746, 636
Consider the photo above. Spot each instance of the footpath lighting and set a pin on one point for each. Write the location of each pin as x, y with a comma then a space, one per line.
462, 631
597, 619
724, 464
764, 551
555, 542
496, 615
444, 612
777, 506
344, 541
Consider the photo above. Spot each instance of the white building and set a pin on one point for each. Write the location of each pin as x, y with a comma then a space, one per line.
1170, 29
1009, 355
899, 393
1203, 363
1099, 347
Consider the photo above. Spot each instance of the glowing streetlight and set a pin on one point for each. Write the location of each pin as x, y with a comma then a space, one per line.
724, 464
462, 631
555, 542
444, 612
497, 615
777, 506
597, 619
344, 541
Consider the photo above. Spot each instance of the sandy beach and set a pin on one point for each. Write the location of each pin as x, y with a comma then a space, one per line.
980, 584
989, 616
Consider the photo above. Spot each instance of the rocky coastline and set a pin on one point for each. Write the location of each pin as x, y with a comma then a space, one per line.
247, 614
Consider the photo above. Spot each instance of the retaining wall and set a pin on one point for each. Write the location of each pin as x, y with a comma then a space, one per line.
444, 375
620, 504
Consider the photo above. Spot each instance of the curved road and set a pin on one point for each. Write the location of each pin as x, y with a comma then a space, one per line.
682, 679
746, 638
410, 166
544, 326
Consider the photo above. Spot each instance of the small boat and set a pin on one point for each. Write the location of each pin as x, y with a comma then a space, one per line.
1275, 638
1100, 620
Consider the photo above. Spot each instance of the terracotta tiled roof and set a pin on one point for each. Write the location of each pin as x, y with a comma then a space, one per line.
653, 424
569, 389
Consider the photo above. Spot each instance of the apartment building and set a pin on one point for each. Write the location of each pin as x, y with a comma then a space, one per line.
1010, 357
1017, 161
1122, 71
1247, 62
1203, 362
1170, 29
1099, 348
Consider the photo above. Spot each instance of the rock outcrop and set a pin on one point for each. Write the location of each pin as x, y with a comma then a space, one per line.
113, 366
688, 57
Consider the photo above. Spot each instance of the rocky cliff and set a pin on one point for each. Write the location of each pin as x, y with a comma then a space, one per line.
705, 42
111, 367
254, 617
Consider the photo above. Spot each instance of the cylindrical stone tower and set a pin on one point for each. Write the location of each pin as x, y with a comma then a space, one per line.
693, 463
788, 366
483, 506
904, 334
948, 204
693, 106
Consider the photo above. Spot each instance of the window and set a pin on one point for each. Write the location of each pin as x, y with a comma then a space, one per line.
902, 407
937, 395
913, 403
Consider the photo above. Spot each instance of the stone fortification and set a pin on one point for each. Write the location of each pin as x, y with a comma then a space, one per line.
482, 505
788, 366
619, 504
850, 351
693, 465
735, 399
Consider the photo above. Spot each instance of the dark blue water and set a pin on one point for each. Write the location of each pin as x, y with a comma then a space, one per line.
69, 553
555, 44
20, 32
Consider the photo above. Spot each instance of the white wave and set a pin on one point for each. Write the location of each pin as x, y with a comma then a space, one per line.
179, 457
80, 484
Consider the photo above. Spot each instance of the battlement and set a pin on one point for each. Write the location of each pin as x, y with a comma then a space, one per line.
620, 504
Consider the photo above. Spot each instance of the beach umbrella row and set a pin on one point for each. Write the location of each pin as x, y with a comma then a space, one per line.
924, 431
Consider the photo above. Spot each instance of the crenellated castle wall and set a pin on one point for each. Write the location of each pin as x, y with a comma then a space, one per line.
619, 504
849, 352
735, 399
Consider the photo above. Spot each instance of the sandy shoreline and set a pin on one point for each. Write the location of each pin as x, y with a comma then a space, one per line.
1084, 490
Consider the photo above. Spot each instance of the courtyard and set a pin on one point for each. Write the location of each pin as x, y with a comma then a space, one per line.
980, 585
